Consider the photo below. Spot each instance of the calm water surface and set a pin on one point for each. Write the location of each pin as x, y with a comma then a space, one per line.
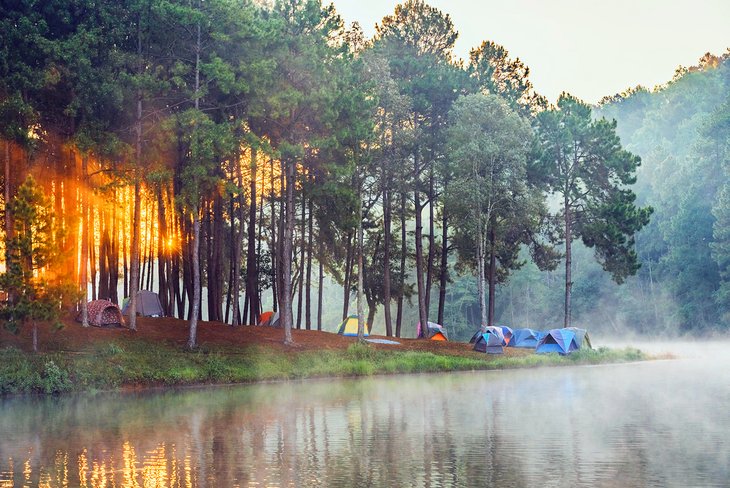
662, 423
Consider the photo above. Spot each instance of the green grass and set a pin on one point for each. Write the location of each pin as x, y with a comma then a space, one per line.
137, 363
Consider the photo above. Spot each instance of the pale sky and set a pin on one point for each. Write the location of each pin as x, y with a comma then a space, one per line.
589, 48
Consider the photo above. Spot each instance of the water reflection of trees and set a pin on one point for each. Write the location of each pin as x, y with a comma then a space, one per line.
426, 431
350, 435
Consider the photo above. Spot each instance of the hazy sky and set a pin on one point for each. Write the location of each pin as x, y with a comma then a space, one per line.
590, 48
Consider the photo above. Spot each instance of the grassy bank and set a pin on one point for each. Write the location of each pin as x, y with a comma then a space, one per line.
138, 363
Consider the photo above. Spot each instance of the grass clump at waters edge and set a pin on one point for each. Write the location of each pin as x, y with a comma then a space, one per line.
136, 363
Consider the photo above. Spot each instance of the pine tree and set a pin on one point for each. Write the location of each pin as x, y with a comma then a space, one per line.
32, 253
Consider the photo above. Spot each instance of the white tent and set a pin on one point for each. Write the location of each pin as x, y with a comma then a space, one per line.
148, 304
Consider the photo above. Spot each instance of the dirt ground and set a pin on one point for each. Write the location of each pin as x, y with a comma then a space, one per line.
73, 337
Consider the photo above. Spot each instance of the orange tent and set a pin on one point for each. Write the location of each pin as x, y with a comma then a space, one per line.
264, 317
438, 336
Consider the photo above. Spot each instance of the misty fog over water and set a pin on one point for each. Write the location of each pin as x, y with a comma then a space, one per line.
656, 423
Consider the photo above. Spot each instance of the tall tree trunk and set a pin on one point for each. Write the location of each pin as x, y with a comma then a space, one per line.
206, 247
480, 277
259, 243
308, 287
215, 264
444, 271
303, 248
195, 251
134, 258
360, 276
387, 217
195, 304
136, 219
71, 221
232, 258
283, 209
163, 252
422, 313
114, 256
348, 278
125, 249
431, 239
104, 252
219, 238
568, 259
251, 256
143, 253
320, 295
83, 278
274, 244
492, 274
92, 251
177, 290
286, 256
402, 271
150, 246
187, 270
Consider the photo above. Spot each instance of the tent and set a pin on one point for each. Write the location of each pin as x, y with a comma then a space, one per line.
348, 327
148, 304
270, 319
561, 341
434, 331
103, 313
526, 338
507, 332
490, 341
582, 339
439, 335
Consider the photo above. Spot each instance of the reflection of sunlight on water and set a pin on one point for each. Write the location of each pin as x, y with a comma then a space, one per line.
130, 466
6, 477
161, 467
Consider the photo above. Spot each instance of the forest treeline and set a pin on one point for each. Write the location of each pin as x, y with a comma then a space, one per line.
681, 131
248, 151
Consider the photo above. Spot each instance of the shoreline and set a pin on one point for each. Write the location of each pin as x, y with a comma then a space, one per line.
89, 360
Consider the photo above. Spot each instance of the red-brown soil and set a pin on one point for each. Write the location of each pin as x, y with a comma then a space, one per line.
73, 337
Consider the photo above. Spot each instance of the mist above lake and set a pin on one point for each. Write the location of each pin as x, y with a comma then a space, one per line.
656, 423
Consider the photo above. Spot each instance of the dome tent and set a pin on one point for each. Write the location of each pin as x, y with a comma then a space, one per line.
103, 313
434, 331
148, 304
561, 341
348, 327
490, 341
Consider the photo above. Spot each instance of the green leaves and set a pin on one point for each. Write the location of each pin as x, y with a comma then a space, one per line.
205, 144
583, 161
31, 253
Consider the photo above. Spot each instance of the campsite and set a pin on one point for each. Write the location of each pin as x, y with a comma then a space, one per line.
343, 243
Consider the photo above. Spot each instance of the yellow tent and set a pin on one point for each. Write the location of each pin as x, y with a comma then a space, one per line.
348, 326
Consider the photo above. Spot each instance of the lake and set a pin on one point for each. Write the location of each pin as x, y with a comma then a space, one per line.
660, 423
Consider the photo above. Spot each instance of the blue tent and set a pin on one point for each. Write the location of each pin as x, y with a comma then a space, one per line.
526, 338
582, 339
490, 341
507, 332
561, 341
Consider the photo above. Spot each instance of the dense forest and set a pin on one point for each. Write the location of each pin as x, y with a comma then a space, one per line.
681, 131
233, 155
